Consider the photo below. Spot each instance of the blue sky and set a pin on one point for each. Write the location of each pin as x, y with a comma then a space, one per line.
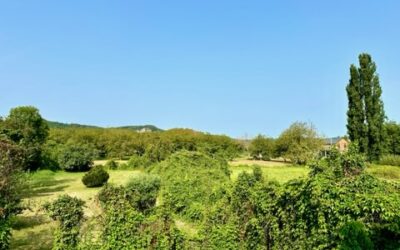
228, 67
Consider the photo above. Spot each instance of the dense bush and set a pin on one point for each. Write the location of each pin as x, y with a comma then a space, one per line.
392, 160
300, 143
75, 157
145, 189
11, 164
111, 164
261, 148
96, 177
189, 180
137, 161
141, 192
392, 142
354, 236
337, 206
126, 226
68, 211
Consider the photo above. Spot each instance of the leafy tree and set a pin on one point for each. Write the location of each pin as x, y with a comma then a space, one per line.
393, 138
366, 115
75, 157
261, 148
25, 126
299, 143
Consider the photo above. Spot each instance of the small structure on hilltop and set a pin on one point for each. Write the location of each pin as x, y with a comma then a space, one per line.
340, 143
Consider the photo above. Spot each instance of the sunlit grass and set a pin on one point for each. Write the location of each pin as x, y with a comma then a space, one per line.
278, 173
390, 173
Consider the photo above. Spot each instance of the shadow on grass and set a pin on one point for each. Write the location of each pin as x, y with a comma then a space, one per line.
45, 187
23, 222
40, 238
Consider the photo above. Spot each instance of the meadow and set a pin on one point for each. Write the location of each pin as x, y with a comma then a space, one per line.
34, 230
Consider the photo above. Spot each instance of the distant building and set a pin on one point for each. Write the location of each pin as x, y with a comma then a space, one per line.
341, 143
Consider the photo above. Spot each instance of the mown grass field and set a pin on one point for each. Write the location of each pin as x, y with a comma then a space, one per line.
33, 229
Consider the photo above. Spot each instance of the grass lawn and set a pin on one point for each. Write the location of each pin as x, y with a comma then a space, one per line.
389, 173
280, 173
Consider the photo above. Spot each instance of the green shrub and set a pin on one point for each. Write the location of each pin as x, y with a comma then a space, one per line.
68, 211
111, 164
392, 160
312, 211
129, 224
137, 161
75, 157
11, 186
189, 180
354, 236
96, 177
145, 189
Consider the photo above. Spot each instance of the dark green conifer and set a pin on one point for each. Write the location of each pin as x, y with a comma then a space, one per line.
366, 115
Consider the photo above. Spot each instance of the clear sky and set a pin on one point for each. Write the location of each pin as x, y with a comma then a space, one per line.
231, 67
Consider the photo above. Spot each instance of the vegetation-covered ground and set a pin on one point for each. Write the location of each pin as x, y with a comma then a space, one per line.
34, 230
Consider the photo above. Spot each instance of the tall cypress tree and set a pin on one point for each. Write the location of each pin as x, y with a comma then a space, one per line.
366, 115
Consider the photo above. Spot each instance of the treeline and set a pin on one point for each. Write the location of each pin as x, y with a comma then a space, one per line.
152, 146
299, 144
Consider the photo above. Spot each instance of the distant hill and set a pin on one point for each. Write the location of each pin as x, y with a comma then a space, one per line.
141, 128
138, 128
68, 125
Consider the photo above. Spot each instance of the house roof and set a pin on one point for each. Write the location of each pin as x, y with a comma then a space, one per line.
332, 141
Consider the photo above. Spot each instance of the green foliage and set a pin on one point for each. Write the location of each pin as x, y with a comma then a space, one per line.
299, 143
189, 179
126, 227
11, 161
25, 126
261, 148
137, 161
75, 157
316, 212
96, 177
393, 138
157, 146
145, 189
312, 211
111, 164
392, 160
141, 193
354, 236
366, 115
68, 211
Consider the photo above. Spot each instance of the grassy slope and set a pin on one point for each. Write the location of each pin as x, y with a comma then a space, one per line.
33, 230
